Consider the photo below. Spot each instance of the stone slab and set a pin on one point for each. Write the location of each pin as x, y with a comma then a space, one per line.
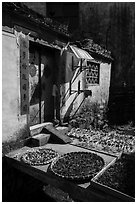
40, 139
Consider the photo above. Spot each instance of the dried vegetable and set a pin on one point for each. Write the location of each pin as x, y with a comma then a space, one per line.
111, 142
120, 176
77, 165
41, 156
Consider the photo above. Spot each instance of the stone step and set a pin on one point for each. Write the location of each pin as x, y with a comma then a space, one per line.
60, 132
40, 139
62, 129
36, 129
57, 133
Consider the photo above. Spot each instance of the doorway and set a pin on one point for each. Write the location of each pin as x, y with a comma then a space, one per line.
43, 74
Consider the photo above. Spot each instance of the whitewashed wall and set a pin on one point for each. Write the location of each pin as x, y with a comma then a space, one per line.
100, 93
14, 125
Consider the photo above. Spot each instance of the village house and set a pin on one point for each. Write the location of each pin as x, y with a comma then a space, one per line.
88, 72
31, 47
107, 28
47, 77
105, 24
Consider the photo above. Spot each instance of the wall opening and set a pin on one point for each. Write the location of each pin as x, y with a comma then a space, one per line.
43, 72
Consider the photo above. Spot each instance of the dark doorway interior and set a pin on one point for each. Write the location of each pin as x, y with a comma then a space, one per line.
43, 73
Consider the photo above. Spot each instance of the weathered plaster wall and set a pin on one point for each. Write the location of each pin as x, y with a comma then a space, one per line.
70, 102
14, 126
100, 93
78, 97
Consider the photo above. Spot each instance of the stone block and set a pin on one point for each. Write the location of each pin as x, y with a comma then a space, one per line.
36, 129
40, 139
63, 130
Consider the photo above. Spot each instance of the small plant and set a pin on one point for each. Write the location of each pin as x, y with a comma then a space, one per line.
91, 115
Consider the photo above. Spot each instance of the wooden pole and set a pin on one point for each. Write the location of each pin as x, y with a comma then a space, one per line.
70, 87
81, 65
78, 87
39, 86
72, 63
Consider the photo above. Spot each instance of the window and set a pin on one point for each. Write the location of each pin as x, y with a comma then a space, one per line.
92, 73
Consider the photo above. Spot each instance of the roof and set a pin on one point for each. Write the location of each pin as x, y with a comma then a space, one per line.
22, 10
91, 47
82, 54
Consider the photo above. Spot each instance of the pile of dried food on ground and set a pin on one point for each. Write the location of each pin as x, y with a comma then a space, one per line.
120, 176
111, 140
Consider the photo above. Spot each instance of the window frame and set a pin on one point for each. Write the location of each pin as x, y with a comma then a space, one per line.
98, 65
